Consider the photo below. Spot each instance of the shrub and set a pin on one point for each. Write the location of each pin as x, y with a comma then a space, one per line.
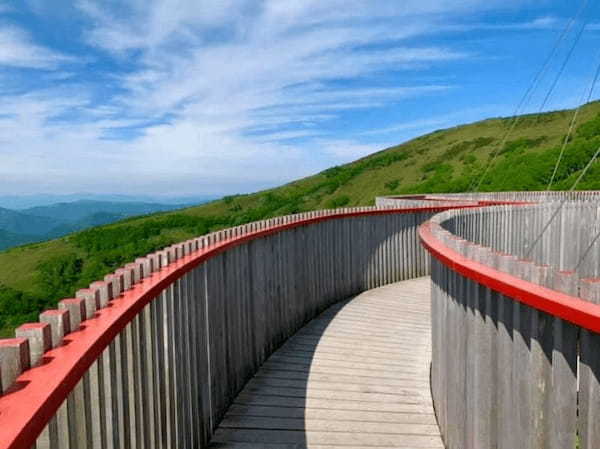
336, 202
392, 185
589, 129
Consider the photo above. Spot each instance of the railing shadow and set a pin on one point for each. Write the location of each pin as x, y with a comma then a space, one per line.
511, 351
274, 405
272, 409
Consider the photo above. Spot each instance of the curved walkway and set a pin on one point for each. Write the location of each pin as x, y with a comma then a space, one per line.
356, 376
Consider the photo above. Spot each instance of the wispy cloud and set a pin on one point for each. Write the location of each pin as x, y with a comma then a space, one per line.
18, 50
222, 95
341, 151
540, 23
279, 136
275, 65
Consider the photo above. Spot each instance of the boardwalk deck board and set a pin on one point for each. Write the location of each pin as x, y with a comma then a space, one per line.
356, 376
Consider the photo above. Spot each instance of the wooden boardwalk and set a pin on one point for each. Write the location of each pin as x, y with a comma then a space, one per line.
356, 376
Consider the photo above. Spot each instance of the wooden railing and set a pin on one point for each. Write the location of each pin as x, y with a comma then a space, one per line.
153, 355
496, 197
516, 324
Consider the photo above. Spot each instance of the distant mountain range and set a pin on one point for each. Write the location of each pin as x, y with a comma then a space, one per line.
20, 202
34, 224
9, 239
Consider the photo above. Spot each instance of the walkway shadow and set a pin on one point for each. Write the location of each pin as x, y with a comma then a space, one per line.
271, 410
356, 376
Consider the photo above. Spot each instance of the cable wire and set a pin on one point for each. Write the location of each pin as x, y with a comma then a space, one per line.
516, 117
587, 252
562, 203
572, 125
563, 65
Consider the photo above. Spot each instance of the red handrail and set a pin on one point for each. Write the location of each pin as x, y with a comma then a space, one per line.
575, 310
39, 392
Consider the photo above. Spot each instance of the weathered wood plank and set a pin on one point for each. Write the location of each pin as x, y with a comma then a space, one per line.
357, 376
305, 438
327, 414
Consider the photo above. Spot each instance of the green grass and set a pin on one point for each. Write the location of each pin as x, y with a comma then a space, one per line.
34, 277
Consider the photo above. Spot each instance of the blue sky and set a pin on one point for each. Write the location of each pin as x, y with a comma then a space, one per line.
181, 97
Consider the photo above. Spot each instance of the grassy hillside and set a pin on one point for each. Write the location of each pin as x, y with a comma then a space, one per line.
36, 276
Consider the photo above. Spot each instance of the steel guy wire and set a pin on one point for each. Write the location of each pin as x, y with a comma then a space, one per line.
572, 125
562, 203
528, 93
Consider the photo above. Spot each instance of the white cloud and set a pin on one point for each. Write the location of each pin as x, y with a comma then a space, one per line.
217, 90
18, 50
538, 24
151, 23
543, 22
342, 151
285, 135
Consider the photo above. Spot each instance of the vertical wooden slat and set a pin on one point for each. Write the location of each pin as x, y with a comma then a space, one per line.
562, 405
589, 368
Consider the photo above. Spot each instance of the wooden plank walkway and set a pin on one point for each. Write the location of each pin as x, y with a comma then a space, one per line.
356, 376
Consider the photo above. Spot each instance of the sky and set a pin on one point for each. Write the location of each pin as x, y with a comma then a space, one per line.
190, 97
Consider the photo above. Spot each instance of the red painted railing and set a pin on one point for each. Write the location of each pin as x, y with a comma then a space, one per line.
27, 407
573, 309
38, 393
516, 337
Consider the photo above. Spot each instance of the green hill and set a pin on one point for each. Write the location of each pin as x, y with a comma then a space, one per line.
37, 275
